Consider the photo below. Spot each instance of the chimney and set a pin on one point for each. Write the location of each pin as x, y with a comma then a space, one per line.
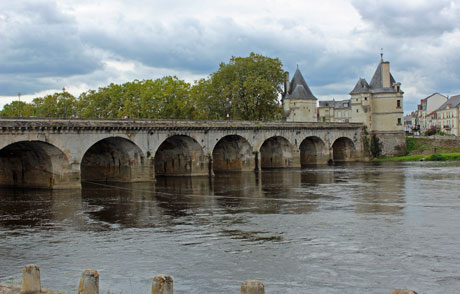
386, 74
286, 84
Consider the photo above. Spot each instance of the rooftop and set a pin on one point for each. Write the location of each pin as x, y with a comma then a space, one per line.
298, 88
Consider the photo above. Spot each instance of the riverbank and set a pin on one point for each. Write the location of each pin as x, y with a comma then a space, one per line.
429, 149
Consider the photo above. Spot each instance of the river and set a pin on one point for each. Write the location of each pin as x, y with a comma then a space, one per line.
355, 228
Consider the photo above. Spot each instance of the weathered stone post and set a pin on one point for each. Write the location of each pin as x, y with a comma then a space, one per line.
403, 291
252, 287
89, 282
162, 284
31, 280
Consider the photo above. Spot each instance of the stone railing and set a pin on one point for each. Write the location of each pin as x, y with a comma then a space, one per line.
89, 284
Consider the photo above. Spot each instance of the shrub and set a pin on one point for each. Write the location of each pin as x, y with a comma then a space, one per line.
436, 157
376, 146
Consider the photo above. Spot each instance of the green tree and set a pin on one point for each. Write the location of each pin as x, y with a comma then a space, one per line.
16, 109
56, 105
246, 88
165, 98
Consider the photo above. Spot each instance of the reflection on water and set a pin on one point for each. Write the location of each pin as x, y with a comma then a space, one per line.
327, 229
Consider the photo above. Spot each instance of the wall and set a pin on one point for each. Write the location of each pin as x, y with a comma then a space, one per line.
301, 110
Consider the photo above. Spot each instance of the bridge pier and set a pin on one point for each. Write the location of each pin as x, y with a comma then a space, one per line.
258, 161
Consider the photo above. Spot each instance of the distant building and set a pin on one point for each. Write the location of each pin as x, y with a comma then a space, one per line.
426, 109
446, 117
299, 103
334, 111
409, 123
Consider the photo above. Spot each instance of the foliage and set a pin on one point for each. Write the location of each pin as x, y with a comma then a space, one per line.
56, 105
16, 109
247, 88
433, 130
402, 158
436, 157
165, 98
376, 146
421, 157
411, 145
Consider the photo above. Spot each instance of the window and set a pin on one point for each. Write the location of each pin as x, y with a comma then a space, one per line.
398, 103
399, 121
365, 98
357, 110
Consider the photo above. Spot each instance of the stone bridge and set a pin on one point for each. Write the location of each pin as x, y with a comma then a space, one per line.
60, 153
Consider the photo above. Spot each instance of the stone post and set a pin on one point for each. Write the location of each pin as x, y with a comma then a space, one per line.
31, 280
252, 287
162, 284
89, 282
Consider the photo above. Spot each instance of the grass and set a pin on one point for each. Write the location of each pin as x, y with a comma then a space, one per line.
402, 158
443, 157
430, 157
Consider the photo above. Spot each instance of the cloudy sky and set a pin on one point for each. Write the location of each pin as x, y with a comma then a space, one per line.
46, 45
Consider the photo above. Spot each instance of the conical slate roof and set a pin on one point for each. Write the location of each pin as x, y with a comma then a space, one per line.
376, 84
298, 88
376, 81
361, 87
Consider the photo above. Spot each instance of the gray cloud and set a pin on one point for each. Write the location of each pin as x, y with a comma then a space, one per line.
410, 19
37, 41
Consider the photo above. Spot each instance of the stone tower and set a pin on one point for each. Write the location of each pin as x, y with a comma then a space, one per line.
299, 103
379, 105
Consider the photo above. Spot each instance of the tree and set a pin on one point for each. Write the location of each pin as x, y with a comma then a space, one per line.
165, 98
56, 105
15, 108
246, 88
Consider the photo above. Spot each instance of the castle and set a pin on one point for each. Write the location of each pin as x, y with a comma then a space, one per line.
378, 105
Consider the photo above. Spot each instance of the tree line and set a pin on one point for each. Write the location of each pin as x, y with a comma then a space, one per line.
245, 88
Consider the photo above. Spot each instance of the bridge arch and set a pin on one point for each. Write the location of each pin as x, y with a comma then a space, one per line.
343, 150
115, 159
313, 151
180, 155
276, 152
233, 153
34, 164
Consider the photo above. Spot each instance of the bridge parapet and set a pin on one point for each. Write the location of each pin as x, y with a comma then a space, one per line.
30, 124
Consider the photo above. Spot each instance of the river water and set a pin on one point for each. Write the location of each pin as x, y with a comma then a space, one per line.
357, 228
